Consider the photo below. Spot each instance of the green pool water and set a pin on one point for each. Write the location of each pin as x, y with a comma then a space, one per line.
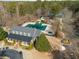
37, 26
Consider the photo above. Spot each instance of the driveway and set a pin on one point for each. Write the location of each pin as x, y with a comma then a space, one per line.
55, 42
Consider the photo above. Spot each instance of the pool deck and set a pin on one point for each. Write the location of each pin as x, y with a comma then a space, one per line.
47, 28
27, 23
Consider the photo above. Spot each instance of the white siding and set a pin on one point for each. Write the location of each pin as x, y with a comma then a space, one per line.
24, 44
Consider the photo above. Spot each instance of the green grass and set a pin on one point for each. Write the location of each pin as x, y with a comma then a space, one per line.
42, 44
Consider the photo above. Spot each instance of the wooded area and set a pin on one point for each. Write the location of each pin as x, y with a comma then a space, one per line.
19, 12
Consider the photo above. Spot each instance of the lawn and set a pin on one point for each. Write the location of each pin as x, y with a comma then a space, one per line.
42, 44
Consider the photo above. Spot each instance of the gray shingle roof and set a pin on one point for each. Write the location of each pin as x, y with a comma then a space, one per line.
32, 31
19, 37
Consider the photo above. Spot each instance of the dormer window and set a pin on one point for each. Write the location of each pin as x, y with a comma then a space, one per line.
13, 32
17, 32
24, 34
20, 33
28, 34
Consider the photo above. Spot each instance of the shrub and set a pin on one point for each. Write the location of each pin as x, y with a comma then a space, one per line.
27, 47
8, 43
3, 34
42, 44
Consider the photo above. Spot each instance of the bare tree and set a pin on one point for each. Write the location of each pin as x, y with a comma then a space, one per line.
17, 10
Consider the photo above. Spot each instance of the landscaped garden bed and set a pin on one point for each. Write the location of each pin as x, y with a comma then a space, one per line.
9, 43
29, 47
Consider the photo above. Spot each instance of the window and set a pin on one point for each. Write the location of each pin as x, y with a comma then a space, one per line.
20, 33
28, 34
24, 34
13, 32
17, 32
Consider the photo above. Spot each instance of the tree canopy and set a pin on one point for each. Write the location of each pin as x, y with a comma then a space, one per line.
42, 43
3, 34
31, 7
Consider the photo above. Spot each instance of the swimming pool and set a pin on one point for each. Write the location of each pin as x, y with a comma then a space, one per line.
37, 25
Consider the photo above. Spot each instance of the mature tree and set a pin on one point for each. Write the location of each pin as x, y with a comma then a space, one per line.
11, 8
74, 6
42, 43
3, 34
75, 9
17, 9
